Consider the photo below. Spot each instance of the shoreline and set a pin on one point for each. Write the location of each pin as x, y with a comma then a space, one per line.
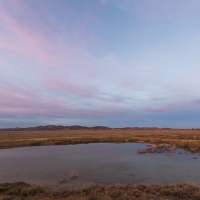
21, 190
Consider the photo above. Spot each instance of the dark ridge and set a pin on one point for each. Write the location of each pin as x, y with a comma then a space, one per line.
140, 128
165, 128
99, 127
77, 127
53, 127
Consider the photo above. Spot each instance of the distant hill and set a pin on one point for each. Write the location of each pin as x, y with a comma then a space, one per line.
54, 127
77, 127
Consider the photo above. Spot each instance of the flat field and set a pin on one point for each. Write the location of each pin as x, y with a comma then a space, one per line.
189, 139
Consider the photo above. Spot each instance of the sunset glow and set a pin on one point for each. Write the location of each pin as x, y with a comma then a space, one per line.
115, 63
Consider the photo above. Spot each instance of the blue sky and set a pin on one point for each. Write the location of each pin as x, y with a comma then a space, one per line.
100, 62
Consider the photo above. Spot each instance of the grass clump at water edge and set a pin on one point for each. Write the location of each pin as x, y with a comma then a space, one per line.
25, 191
73, 175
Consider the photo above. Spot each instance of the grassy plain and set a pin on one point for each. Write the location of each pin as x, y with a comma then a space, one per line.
188, 139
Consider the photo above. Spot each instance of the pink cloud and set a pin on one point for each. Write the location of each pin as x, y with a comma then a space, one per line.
13, 99
21, 101
22, 42
15, 104
35, 43
65, 86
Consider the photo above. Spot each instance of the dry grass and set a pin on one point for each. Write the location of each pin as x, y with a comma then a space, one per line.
157, 148
187, 139
73, 175
17, 191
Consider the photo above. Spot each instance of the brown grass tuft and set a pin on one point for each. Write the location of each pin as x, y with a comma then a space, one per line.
73, 174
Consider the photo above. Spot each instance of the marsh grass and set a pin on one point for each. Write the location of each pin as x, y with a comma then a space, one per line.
159, 148
188, 139
73, 175
100, 192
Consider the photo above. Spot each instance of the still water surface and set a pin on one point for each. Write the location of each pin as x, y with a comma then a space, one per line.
96, 163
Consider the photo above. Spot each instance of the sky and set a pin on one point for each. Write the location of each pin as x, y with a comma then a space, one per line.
113, 63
